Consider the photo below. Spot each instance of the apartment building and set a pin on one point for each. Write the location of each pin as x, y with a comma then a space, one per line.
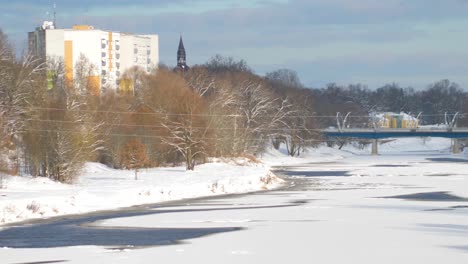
111, 53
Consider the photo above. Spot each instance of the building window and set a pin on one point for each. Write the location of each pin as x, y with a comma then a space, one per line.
148, 61
117, 73
103, 45
148, 52
135, 50
117, 56
103, 72
117, 64
103, 54
103, 63
117, 47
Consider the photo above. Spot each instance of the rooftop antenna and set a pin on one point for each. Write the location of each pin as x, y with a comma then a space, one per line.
55, 15
84, 18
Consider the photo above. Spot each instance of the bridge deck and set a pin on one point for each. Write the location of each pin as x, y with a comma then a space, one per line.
392, 133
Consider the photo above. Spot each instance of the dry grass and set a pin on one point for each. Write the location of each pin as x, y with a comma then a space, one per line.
33, 206
3, 172
250, 157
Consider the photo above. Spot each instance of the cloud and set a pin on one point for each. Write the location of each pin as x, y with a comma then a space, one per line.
307, 35
416, 69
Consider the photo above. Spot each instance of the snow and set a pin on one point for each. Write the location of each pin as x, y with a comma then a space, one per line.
102, 188
328, 220
325, 154
343, 220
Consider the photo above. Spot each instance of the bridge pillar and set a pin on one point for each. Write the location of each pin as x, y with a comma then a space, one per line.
456, 146
375, 148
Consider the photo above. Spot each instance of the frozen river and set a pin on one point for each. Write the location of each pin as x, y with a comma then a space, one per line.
403, 208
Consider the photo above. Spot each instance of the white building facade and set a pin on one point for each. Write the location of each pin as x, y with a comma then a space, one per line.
111, 53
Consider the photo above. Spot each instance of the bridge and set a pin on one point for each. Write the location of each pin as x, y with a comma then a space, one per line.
380, 133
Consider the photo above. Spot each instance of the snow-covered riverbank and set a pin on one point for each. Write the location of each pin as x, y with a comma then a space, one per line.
102, 188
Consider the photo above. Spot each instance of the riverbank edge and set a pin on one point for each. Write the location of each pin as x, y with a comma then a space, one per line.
270, 181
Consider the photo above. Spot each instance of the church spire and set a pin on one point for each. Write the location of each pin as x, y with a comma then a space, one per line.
181, 56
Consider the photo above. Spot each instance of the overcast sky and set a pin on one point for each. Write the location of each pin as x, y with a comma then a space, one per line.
410, 42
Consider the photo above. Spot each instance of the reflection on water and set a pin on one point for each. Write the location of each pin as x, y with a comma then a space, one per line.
66, 236
430, 196
391, 166
79, 231
447, 160
313, 173
463, 248
43, 262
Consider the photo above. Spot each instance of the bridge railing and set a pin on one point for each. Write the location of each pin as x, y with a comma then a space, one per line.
344, 121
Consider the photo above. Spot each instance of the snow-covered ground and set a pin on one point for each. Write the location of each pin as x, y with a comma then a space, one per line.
338, 219
323, 219
102, 188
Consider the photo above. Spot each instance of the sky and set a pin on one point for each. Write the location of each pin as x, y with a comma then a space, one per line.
373, 42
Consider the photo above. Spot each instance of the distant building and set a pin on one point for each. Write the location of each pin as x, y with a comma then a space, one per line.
181, 58
112, 53
395, 120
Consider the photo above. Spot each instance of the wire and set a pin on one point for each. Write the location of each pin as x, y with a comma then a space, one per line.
152, 136
215, 115
168, 126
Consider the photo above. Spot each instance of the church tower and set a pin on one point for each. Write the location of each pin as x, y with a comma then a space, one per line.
181, 57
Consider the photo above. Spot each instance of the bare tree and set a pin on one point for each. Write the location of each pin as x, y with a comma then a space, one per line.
182, 112
133, 80
183, 138
134, 156
283, 80
60, 134
256, 106
18, 78
220, 64
297, 122
186, 128
6, 51
244, 113
86, 80
199, 79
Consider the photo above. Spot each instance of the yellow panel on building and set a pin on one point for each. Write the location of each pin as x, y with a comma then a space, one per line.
94, 86
126, 86
82, 27
110, 51
68, 63
394, 123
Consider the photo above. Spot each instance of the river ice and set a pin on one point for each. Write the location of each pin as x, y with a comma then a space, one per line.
373, 214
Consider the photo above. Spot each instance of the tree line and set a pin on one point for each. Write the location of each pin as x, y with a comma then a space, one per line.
433, 102
51, 127
221, 108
